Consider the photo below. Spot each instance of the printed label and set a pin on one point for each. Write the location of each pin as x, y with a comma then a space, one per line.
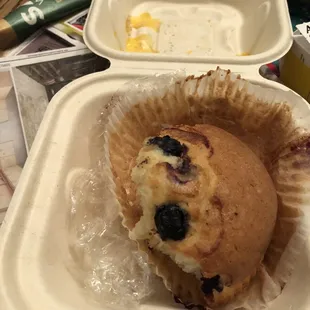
31, 16
305, 30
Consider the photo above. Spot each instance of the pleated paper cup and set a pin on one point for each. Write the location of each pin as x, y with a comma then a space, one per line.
273, 123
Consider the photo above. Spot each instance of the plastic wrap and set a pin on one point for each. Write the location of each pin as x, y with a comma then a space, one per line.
272, 123
107, 264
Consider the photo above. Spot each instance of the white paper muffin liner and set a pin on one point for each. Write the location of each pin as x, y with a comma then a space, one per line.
273, 123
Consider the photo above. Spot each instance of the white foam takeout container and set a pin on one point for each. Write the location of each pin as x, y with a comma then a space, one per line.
33, 244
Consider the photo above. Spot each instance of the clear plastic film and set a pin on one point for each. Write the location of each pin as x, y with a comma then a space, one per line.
106, 263
273, 123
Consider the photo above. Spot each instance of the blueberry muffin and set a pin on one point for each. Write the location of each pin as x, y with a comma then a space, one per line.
204, 210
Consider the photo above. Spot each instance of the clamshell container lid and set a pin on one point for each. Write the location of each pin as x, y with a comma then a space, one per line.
260, 28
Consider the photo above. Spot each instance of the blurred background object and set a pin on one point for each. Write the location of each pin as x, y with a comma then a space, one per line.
295, 65
6, 6
32, 16
299, 11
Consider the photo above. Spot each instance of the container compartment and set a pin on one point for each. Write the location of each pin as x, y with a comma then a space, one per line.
202, 29
34, 258
227, 30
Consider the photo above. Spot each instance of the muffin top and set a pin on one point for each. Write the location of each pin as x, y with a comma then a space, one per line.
207, 202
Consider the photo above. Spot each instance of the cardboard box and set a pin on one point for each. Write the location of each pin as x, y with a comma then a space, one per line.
295, 66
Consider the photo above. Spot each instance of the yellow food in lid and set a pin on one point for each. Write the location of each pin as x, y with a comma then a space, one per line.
142, 43
143, 20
